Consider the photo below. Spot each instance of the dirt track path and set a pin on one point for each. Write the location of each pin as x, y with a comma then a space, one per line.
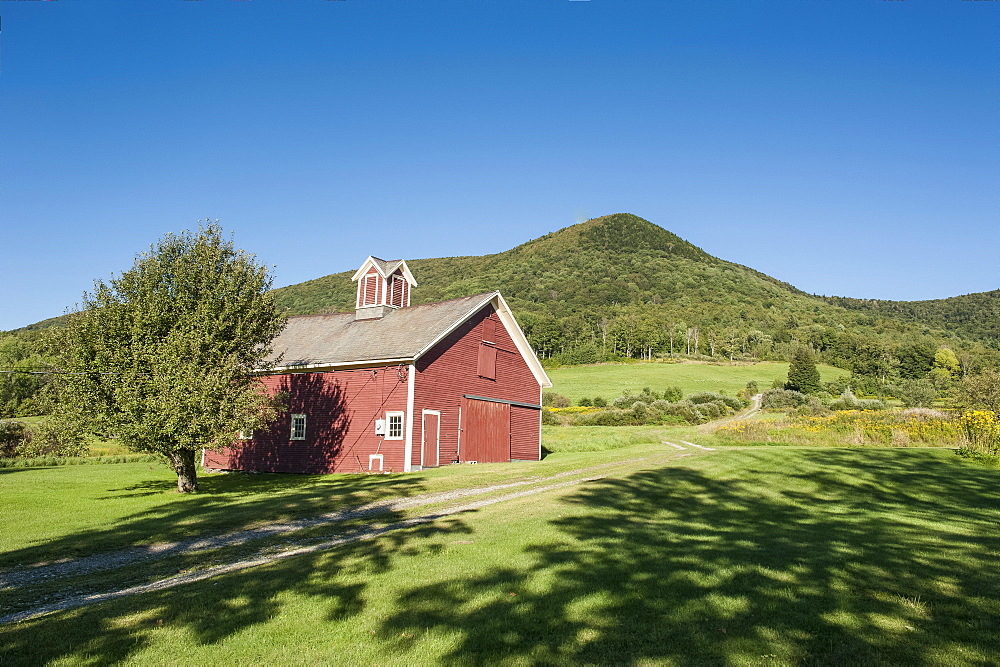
749, 412
489, 495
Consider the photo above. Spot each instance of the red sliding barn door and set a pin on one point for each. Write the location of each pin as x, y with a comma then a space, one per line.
485, 431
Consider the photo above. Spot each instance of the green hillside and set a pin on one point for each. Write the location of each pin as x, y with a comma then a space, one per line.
974, 315
620, 286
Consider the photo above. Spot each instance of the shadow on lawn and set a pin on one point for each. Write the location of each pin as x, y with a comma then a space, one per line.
214, 610
849, 562
817, 557
226, 503
217, 608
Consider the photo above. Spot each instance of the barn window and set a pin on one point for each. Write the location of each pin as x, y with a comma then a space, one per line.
487, 362
298, 427
489, 330
394, 426
245, 435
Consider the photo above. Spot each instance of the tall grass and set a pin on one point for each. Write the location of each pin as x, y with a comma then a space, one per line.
877, 428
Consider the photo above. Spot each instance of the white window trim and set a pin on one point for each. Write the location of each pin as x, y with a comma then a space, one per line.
245, 435
292, 434
388, 425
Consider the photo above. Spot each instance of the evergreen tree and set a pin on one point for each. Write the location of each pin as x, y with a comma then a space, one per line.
163, 356
802, 374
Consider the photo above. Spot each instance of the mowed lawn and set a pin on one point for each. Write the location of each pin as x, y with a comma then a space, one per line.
739, 556
611, 380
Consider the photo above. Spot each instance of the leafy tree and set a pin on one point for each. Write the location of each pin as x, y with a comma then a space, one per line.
802, 374
946, 359
980, 391
916, 393
163, 356
20, 382
915, 359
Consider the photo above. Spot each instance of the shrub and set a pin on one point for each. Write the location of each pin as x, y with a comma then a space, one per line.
915, 393
550, 419
11, 435
672, 394
606, 418
585, 402
783, 398
599, 402
687, 411
53, 438
624, 402
554, 400
49, 438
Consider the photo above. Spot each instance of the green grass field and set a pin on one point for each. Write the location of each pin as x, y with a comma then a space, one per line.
611, 380
739, 556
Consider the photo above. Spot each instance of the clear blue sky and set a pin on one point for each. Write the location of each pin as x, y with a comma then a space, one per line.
845, 147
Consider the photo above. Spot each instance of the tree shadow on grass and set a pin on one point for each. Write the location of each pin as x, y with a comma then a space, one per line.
211, 611
819, 557
226, 503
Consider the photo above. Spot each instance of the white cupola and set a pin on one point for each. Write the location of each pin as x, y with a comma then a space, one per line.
382, 286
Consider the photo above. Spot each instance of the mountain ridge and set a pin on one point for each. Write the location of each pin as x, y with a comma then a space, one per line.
567, 285
564, 284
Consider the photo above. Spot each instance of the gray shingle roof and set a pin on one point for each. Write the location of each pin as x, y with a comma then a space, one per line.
402, 334
387, 266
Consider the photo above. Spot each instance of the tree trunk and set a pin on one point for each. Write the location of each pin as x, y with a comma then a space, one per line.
187, 472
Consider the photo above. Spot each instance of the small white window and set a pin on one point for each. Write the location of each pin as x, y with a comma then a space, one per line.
245, 435
298, 427
394, 426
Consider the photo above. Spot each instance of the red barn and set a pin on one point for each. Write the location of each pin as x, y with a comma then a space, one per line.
395, 387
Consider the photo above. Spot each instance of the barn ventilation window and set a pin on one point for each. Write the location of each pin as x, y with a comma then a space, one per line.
397, 292
298, 427
487, 362
394, 426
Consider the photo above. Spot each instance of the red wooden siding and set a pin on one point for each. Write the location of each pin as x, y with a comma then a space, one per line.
449, 371
341, 408
485, 431
525, 428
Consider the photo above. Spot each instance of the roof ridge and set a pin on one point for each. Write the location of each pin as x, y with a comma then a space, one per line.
419, 305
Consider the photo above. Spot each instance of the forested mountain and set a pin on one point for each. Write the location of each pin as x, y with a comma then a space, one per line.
975, 316
619, 285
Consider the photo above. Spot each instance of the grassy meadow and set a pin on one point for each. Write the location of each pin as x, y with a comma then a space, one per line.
627, 551
741, 556
611, 380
